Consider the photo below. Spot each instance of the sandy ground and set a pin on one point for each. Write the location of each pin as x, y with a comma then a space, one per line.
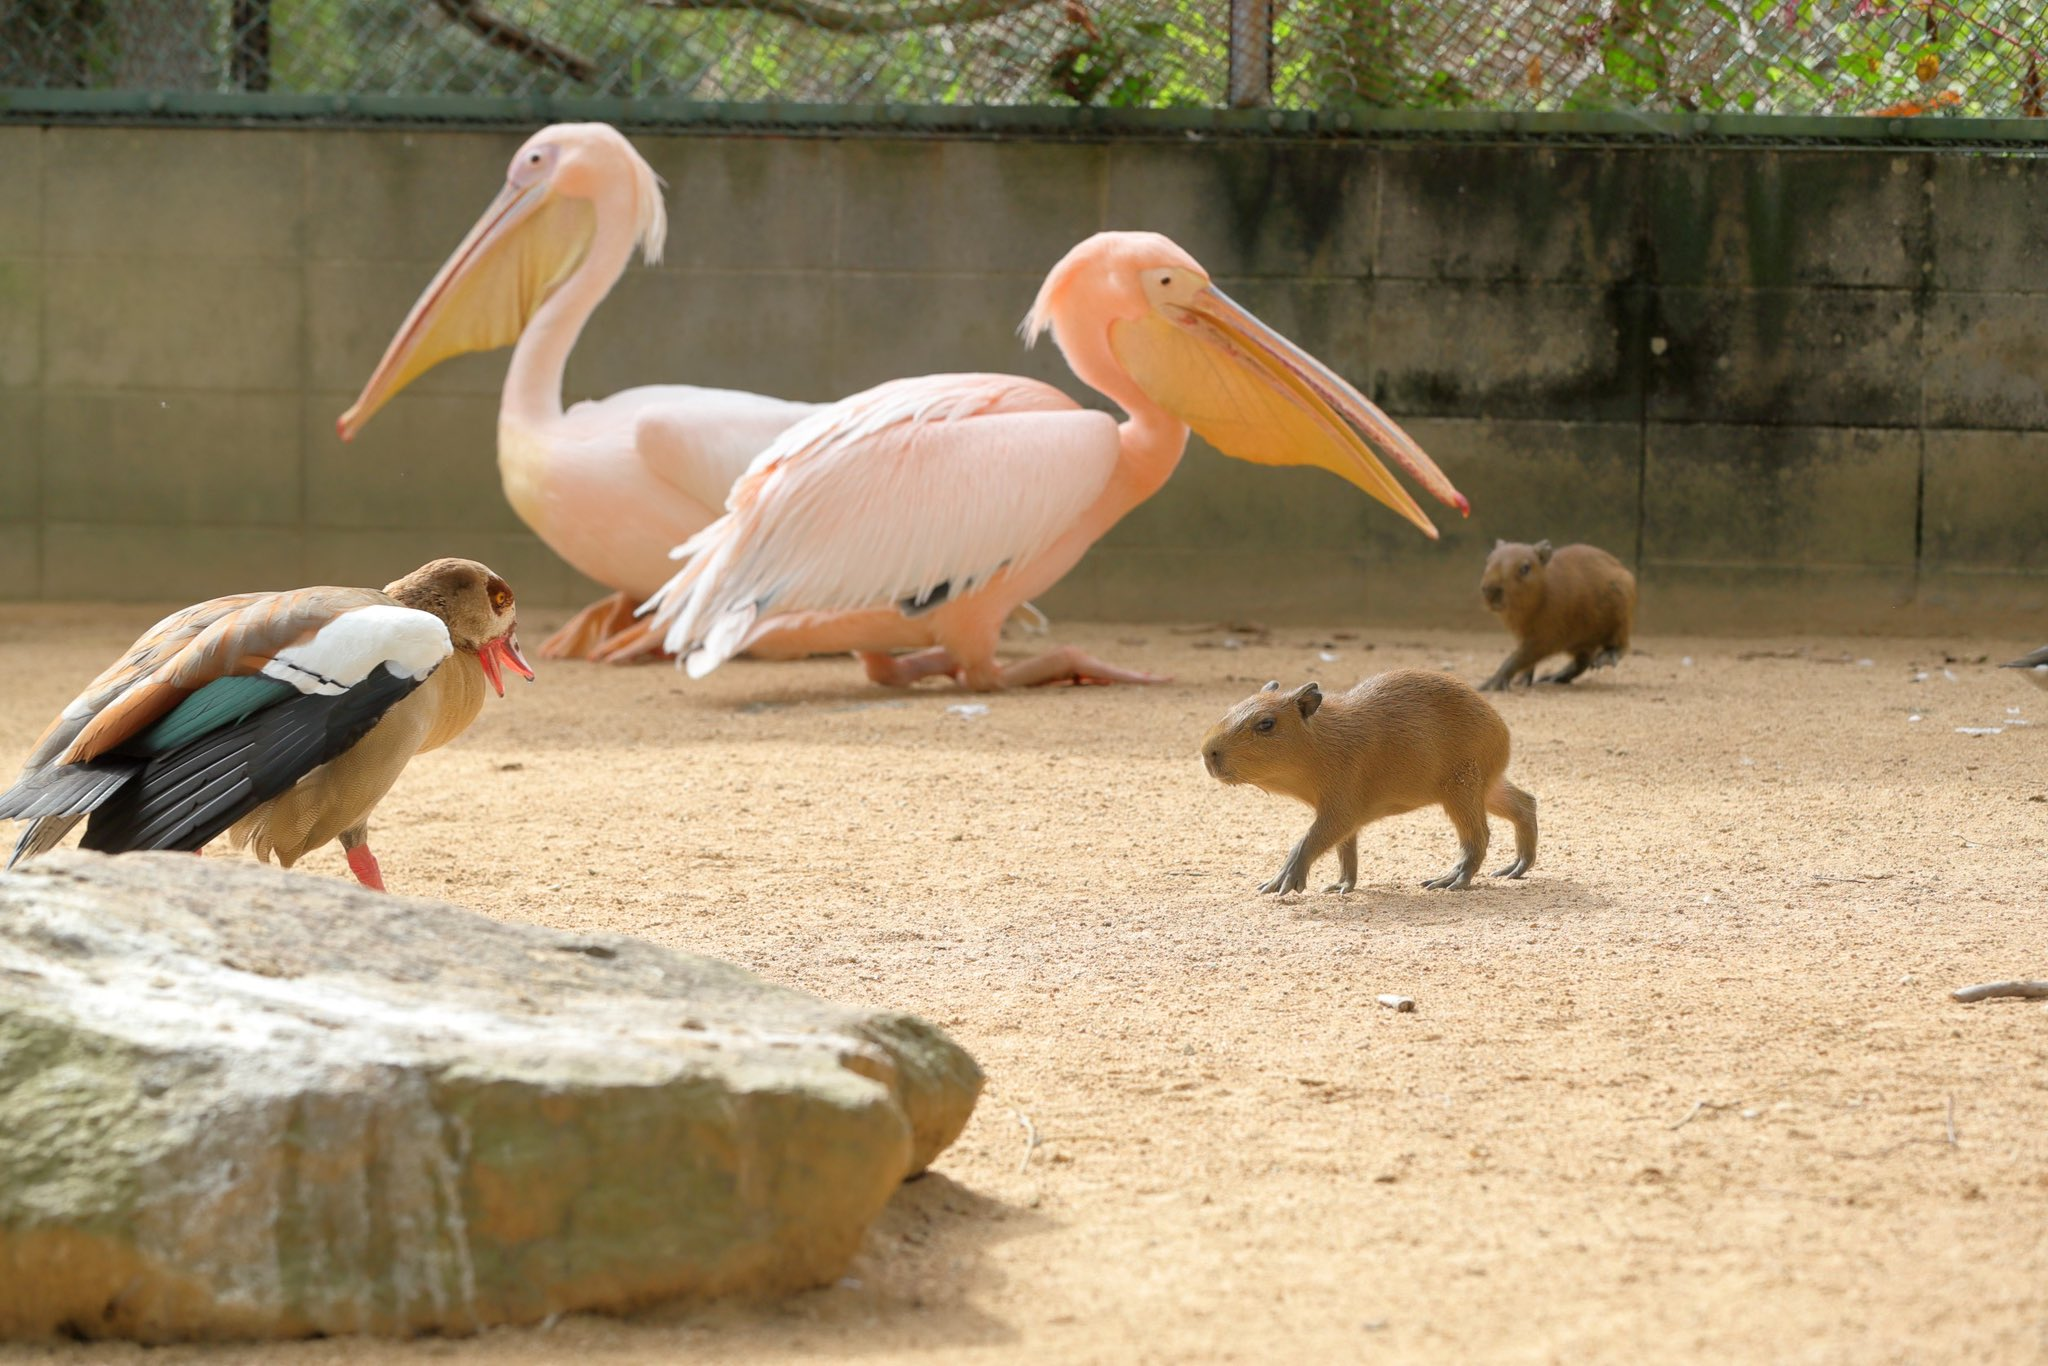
1695, 1089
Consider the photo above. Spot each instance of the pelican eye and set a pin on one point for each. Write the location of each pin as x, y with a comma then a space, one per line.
534, 159
1265, 723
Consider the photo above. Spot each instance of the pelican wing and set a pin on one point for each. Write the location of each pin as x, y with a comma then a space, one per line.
910, 494
702, 440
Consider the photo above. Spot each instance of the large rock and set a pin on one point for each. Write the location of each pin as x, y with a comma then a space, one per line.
241, 1102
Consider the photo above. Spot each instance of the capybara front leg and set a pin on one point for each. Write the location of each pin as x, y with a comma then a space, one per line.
1347, 865
1516, 666
1293, 874
1518, 806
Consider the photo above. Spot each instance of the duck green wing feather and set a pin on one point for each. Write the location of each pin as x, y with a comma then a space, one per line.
220, 703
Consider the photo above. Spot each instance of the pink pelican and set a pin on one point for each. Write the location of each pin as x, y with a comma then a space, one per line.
610, 485
917, 515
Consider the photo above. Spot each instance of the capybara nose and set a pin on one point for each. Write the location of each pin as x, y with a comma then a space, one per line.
1214, 760
1492, 596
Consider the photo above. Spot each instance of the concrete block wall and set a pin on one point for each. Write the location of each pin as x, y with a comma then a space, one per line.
1799, 390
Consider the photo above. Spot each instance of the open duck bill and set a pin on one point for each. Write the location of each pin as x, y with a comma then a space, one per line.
525, 245
1257, 396
503, 653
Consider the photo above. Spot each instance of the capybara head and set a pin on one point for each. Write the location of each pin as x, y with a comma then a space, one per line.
1262, 737
1513, 580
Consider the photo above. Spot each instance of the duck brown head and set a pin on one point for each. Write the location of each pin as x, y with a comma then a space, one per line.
478, 607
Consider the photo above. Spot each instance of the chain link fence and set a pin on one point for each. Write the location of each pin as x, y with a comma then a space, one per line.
1884, 57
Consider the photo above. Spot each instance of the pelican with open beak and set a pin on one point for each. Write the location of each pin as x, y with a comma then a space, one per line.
916, 515
609, 484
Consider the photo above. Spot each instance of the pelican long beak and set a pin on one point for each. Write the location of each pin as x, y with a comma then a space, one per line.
1257, 396
526, 244
503, 653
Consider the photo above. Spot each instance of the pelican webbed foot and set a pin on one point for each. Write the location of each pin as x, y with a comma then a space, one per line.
591, 629
1064, 665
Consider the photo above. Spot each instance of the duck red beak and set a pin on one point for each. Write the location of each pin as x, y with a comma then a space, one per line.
503, 653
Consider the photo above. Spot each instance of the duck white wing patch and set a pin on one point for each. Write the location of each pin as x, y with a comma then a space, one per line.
341, 654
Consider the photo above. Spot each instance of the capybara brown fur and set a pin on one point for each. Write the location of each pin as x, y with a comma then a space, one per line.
1397, 742
1577, 600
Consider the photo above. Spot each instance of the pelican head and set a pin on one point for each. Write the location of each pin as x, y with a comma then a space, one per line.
566, 184
1139, 303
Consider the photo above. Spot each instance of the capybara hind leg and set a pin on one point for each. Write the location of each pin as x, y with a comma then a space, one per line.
1579, 664
1518, 806
1469, 816
1347, 866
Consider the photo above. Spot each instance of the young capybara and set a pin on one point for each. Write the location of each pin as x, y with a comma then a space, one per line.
1578, 600
1397, 742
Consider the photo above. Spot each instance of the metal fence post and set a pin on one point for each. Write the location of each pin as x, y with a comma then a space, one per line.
1251, 53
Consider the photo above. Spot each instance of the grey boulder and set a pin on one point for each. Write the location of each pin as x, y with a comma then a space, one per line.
238, 1102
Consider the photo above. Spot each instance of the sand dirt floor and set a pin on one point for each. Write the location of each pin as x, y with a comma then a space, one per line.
1694, 1090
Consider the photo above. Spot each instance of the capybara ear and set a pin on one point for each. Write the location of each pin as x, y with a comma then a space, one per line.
1272, 685
1308, 697
1498, 543
1543, 551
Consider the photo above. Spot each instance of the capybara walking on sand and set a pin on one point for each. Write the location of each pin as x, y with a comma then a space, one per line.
1578, 600
1397, 742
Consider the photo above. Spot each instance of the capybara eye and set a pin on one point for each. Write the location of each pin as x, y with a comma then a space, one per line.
1265, 724
1524, 572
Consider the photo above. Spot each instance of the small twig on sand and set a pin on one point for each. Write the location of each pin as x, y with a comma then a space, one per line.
1874, 877
1885, 1151
1235, 628
1984, 991
1951, 1121
1699, 1105
1030, 1137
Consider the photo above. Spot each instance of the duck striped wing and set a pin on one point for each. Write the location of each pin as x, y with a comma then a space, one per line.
256, 687
184, 797
910, 494
160, 644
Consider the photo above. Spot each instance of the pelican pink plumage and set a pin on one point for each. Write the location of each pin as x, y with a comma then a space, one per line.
922, 512
611, 484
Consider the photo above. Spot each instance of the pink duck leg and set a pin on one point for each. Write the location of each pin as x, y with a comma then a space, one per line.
363, 864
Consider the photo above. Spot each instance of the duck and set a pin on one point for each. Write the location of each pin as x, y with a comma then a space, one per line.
278, 718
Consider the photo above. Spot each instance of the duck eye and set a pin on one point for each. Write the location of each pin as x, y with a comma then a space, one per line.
1265, 723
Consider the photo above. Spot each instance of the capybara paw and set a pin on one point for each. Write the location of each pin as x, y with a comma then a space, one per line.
1287, 880
1515, 869
1457, 880
1338, 887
